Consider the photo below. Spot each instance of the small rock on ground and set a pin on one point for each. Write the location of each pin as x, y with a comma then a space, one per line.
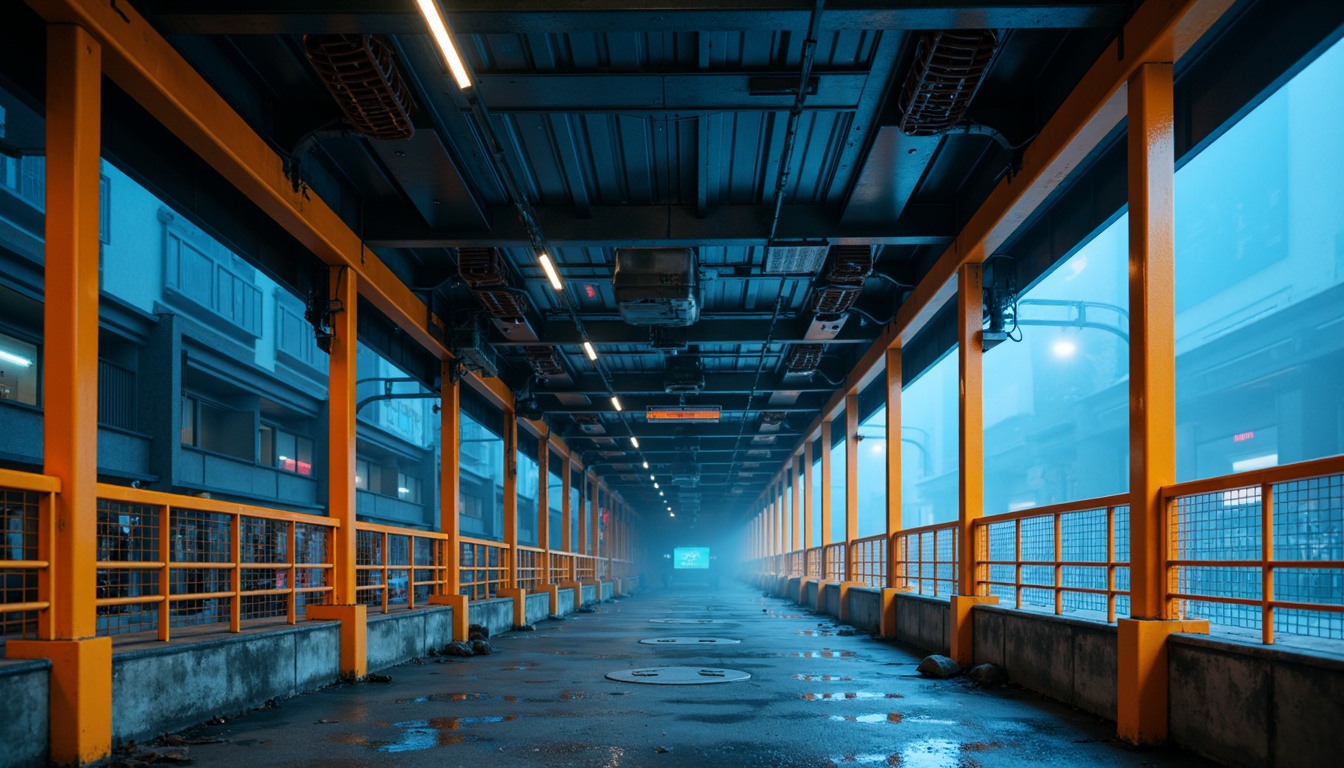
938, 666
458, 648
524, 628
987, 674
480, 647
478, 632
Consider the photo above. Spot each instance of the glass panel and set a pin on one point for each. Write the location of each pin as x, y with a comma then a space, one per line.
1259, 284
18, 370
815, 482
838, 499
481, 481
528, 479
929, 445
872, 474
555, 500
1056, 401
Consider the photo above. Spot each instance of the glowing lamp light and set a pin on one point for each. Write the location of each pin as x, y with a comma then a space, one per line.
551, 274
1064, 348
589, 351
634, 441
439, 29
19, 360
646, 465
615, 402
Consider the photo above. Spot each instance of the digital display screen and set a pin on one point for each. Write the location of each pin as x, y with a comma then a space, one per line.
684, 558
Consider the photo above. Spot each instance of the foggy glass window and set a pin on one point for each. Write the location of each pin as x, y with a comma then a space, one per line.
1259, 284
929, 463
1056, 403
872, 474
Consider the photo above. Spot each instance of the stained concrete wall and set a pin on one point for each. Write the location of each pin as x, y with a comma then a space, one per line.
1066, 659
537, 607
565, 598
923, 622
809, 595
589, 593
1252, 705
496, 615
863, 608
398, 637
608, 589
831, 600
175, 686
24, 688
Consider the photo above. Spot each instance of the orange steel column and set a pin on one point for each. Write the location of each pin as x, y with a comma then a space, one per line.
511, 588
851, 484
807, 495
341, 373
1141, 650
543, 527
894, 582
80, 699
566, 507
595, 524
825, 487
450, 440
971, 445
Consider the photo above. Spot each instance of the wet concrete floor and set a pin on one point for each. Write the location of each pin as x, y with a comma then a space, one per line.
814, 699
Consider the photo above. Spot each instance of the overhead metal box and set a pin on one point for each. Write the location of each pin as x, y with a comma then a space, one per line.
657, 286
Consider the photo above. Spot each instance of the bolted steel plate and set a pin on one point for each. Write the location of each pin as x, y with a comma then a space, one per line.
678, 676
688, 641
686, 621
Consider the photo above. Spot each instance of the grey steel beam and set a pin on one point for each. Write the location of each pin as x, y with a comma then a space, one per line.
680, 94
688, 434
296, 17
663, 225
652, 383
563, 331
731, 404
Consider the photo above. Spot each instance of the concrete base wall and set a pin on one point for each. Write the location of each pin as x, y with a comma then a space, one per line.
537, 607
923, 622
496, 615
831, 600
608, 590
1066, 659
175, 686
1246, 705
24, 690
399, 637
565, 598
589, 594
864, 608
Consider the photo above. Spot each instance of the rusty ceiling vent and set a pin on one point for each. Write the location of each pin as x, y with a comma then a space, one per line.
545, 361
361, 73
949, 67
846, 269
657, 286
483, 270
804, 358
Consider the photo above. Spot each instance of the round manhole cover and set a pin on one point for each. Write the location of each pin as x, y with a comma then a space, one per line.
685, 621
678, 676
688, 641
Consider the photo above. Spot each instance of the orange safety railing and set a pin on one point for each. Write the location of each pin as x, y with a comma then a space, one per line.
926, 559
797, 563
531, 566
585, 568
167, 561
398, 566
869, 558
483, 567
1261, 550
834, 557
1066, 558
814, 563
25, 499
562, 567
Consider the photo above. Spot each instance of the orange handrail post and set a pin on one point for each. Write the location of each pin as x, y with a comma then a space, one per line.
449, 591
80, 704
345, 606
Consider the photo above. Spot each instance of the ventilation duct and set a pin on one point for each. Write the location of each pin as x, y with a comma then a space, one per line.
684, 376
544, 360
484, 272
361, 74
948, 69
804, 358
657, 286
468, 344
794, 259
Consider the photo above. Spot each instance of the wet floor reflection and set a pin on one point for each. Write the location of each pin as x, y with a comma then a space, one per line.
823, 654
876, 717
824, 678
435, 732
848, 695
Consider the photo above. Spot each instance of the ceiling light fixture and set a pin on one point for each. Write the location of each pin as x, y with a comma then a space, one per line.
646, 465
670, 513
655, 485
551, 274
615, 402
589, 351
18, 360
429, 9
634, 441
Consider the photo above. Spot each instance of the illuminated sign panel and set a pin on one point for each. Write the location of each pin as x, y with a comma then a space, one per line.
693, 413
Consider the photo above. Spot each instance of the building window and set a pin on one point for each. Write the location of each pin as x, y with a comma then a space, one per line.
287, 451
408, 488
188, 421
368, 475
18, 370
218, 430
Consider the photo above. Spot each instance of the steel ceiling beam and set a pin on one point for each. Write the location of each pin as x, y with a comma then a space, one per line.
652, 383
297, 17
688, 434
681, 93
730, 404
563, 331
663, 226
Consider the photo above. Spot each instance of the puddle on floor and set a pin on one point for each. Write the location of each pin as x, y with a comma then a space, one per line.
446, 697
825, 654
876, 717
849, 695
824, 678
814, 633
436, 732
930, 753
876, 759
